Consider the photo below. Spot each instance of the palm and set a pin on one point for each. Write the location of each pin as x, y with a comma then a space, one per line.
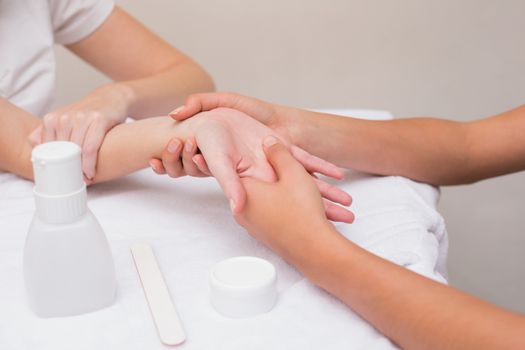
229, 136
231, 145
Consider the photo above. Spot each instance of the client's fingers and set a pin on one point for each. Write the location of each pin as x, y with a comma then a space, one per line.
333, 193
171, 162
337, 213
156, 165
315, 164
199, 160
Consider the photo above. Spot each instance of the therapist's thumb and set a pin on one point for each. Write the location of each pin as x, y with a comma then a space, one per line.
226, 174
280, 158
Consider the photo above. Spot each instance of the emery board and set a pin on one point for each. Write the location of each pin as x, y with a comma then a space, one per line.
161, 306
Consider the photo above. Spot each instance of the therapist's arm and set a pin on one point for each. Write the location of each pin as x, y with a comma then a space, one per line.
435, 151
126, 148
149, 77
413, 311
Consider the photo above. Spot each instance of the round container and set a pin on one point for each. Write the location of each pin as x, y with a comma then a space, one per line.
243, 286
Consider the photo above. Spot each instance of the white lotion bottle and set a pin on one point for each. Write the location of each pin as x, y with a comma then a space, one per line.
68, 266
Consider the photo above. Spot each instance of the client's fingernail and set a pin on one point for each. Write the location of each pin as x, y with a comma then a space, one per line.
152, 165
176, 110
232, 205
189, 146
174, 146
269, 141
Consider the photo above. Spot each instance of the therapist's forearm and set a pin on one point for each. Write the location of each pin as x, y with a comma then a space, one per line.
159, 93
126, 147
15, 150
152, 75
415, 312
430, 150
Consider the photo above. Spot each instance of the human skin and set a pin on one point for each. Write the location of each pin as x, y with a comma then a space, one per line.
413, 311
129, 147
430, 150
148, 74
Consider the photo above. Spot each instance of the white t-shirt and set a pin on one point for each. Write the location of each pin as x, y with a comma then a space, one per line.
28, 31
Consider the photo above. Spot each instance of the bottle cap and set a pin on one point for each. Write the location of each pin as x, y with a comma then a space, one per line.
243, 286
57, 168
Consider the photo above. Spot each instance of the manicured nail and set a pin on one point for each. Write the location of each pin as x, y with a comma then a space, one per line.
269, 141
174, 146
232, 205
189, 146
176, 110
152, 165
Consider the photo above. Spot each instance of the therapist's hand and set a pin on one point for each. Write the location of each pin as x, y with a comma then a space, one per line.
287, 214
86, 123
231, 148
286, 121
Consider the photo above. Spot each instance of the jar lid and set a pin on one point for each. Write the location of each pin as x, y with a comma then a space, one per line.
243, 286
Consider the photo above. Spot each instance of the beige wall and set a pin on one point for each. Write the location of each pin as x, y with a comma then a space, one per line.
456, 59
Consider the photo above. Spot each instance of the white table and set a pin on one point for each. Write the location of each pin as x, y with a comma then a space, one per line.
187, 221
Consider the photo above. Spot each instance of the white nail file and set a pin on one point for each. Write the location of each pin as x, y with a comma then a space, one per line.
162, 309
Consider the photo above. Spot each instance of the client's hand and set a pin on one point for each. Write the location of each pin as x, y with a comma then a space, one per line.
287, 214
231, 147
85, 123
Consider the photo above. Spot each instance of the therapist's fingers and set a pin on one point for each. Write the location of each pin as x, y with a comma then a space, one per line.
171, 159
337, 213
80, 127
196, 103
49, 123
315, 164
333, 193
35, 138
64, 126
225, 171
92, 142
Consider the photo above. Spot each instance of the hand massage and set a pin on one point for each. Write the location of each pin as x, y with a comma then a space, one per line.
274, 227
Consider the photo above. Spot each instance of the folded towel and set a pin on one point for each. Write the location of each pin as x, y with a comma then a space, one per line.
188, 223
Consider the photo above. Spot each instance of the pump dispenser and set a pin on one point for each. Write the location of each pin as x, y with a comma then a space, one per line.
68, 266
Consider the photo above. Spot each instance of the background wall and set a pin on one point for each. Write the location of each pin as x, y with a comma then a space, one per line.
455, 59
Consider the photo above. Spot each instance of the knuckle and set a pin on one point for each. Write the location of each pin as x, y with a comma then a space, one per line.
79, 117
63, 120
96, 117
50, 120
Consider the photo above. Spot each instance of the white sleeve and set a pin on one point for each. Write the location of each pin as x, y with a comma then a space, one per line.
73, 20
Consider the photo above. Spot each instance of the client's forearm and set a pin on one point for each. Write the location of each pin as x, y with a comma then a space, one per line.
129, 147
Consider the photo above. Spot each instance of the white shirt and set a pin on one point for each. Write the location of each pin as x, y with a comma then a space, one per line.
28, 31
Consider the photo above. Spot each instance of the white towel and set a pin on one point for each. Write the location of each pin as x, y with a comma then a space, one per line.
187, 221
